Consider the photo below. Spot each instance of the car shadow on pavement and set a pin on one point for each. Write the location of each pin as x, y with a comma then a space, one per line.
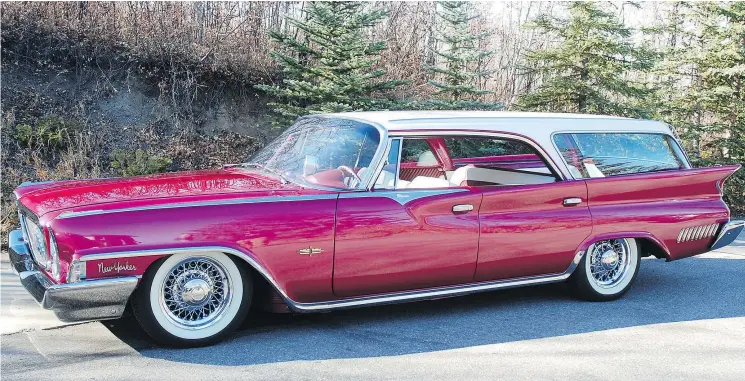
693, 289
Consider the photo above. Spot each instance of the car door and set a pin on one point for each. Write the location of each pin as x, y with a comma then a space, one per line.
531, 229
389, 240
531, 221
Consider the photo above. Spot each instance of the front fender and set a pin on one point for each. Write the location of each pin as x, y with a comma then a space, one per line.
135, 263
270, 235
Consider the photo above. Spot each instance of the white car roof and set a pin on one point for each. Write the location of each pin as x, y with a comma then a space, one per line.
538, 127
530, 124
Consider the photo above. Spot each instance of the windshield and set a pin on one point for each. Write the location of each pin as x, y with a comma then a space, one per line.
329, 152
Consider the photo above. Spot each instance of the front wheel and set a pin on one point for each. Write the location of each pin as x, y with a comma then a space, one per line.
191, 300
607, 270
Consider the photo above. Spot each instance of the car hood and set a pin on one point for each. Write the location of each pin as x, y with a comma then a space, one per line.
42, 198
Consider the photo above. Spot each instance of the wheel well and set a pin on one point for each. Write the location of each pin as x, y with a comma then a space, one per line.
265, 294
649, 248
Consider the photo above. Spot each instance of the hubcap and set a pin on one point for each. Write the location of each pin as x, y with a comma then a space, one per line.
609, 259
609, 262
195, 293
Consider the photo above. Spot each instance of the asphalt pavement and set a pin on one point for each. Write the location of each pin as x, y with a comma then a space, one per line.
682, 320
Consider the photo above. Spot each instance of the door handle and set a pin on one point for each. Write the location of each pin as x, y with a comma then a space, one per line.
460, 208
572, 201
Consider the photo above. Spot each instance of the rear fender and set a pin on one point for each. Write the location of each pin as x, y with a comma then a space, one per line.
638, 235
658, 206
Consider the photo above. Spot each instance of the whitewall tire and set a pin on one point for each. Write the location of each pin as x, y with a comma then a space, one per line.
607, 270
193, 299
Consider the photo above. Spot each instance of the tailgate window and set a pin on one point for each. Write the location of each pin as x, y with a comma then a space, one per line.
610, 154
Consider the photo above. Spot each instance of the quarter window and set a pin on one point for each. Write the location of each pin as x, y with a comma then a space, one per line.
609, 154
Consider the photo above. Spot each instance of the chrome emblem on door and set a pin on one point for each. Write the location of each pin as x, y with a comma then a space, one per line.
310, 251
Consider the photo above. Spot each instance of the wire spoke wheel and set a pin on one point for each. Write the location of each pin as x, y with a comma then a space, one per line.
607, 270
193, 298
195, 293
609, 262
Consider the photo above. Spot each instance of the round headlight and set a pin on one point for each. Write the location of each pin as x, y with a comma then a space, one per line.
38, 244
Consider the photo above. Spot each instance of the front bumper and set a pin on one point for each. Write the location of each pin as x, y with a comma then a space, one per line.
74, 302
728, 234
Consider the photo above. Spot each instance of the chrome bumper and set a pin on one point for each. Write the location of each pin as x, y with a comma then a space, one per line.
73, 302
727, 234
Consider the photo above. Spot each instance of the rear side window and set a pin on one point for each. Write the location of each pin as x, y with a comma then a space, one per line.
611, 154
474, 147
417, 151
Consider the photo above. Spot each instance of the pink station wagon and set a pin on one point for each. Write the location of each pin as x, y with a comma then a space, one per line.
363, 209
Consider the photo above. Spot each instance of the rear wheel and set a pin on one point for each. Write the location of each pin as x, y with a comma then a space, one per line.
193, 299
607, 270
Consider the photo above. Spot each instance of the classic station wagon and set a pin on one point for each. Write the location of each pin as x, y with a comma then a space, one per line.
362, 209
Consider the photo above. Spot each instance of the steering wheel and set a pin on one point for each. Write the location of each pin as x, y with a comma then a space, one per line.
348, 172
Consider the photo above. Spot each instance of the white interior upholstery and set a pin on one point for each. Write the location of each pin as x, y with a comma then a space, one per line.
459, 175
469, 172
496, 176
384, 181
420, 182
426, 158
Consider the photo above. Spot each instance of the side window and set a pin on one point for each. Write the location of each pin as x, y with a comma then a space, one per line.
475, 147
472, 160
610, 154
418, 151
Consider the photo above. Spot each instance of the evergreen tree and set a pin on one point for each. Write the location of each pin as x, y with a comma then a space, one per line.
461, 56
587, 71
703, 87
330, 68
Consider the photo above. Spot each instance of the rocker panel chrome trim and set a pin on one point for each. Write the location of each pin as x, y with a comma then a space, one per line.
399, 297
441, 292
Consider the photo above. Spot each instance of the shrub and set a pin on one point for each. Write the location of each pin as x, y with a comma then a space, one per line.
49, 133
138, 162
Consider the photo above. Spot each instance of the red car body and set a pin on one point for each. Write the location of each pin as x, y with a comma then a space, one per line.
363, 247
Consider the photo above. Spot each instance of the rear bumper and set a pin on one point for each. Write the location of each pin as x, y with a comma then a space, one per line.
73, 302
728, 234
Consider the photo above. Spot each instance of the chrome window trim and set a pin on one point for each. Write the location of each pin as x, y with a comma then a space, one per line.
398, 164
257, 200
377, 160
505, 135
566, 165
396, 297
674, 135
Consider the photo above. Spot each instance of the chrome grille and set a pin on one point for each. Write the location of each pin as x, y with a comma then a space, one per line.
695, 233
